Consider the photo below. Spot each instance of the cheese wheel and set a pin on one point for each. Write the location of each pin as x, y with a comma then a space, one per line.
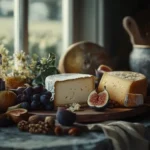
83, 57
120, 83
70, 88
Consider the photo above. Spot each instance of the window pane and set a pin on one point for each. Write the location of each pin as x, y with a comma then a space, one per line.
7, 24
45, 26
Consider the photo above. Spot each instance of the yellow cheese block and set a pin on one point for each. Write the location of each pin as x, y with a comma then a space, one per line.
120, 83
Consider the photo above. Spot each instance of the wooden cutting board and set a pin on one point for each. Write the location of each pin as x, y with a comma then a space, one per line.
88, 115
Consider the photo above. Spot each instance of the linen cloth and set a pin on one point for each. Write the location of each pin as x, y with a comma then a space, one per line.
124, 135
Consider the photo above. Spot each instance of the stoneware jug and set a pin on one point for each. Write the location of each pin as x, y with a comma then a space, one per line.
139, 59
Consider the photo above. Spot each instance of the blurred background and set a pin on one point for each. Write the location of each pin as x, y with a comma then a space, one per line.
53, 25
44, 25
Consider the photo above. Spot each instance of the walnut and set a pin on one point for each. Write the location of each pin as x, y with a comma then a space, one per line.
23, 125
40, 128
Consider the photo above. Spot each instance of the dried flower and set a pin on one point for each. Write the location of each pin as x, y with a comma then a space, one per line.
27, 67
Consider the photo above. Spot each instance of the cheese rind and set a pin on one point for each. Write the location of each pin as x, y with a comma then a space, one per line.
120, 83
133, 100
70, 88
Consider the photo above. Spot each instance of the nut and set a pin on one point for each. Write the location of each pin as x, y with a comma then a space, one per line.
42, 128
41, 122
23, 125
35, 119
58, 130
74, 131
50, 121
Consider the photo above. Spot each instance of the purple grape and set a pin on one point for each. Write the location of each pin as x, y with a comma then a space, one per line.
19, 98
22, 98
44, 90
49, 106
36, 97
44, 99
48, 93
20, 90
25, 105
38, 89
28, 91
35, 105
29, 98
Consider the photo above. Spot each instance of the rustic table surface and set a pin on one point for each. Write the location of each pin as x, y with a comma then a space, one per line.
11, 138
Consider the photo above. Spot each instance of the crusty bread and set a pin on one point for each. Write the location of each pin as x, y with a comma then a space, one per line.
83, 57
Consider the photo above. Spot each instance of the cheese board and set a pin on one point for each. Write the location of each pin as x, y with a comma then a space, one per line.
89, 115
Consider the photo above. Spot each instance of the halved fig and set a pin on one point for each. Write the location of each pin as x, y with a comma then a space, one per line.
98, 101
99, 73
104, 68
17, 115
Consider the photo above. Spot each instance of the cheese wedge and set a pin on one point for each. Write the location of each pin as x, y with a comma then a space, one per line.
120, 83
70, 88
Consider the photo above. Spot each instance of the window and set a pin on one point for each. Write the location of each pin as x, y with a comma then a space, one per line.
44, 26
7, 24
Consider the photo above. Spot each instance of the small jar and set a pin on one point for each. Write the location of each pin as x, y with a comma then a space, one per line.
13, 82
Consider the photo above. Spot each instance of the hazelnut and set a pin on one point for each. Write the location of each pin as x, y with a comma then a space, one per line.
74, 131
58, 130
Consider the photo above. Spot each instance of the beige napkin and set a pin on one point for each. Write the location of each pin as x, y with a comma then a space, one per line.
124, 135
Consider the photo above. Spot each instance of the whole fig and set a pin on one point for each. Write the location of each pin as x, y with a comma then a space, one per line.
65, 117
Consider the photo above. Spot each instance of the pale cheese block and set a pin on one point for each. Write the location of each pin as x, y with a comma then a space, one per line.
70, 88
120, 83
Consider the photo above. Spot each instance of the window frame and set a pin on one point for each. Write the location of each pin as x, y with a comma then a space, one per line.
81, 27
77, 25
21, 25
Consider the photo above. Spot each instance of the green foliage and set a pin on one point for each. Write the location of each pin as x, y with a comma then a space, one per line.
44, 68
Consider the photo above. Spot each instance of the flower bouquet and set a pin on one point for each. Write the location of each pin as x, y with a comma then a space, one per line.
21, 68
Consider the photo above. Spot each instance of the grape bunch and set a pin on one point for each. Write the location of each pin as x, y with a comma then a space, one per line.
34, 98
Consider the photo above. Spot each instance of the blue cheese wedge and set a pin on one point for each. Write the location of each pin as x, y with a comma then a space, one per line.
70, 88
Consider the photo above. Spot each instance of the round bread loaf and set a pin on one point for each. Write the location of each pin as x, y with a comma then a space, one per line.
83, 57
